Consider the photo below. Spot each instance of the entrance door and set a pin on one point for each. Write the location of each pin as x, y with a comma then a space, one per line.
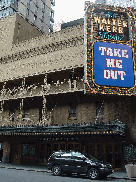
100, 152
91, 149
48, 151
28, 154
42, 153
118, 155
70, 147
109, 153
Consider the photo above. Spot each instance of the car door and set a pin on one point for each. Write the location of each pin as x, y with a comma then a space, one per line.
66, 162
78, 164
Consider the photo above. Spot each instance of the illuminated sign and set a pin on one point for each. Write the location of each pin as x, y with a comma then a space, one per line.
110, 49
111, 25
113, 65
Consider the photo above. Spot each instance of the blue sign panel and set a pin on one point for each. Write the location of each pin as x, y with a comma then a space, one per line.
113, 65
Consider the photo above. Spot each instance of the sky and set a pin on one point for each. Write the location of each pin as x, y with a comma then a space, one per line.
68, 10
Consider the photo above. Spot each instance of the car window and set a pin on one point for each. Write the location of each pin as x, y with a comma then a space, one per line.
67, 155
78, 156
56, 154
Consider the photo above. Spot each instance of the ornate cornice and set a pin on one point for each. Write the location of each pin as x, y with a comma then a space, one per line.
56, 41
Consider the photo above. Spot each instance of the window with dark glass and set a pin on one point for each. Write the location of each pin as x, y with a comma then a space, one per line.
35, 17
72, 110
26, 113
27, 11
42, 14
28, 149
43, 5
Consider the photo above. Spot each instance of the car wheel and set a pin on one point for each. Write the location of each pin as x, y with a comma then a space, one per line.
56, 170
93, 173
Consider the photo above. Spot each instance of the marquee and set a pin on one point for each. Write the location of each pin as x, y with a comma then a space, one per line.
110, 49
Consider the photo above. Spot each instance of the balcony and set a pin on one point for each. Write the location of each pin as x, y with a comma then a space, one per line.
21, 92
38, 90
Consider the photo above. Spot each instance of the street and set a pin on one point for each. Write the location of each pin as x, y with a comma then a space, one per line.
13, 175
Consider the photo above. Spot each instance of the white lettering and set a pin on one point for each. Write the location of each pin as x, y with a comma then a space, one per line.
116, 52
109, 52
124, 53
118, 63
110, 62
106, 74
102, 49
114, 74
122, 74
97, 19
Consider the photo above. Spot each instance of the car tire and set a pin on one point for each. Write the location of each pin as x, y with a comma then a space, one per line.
56, 170
93, 173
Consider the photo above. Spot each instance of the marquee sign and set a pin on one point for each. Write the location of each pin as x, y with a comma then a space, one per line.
111, 25
110, 49
113, 65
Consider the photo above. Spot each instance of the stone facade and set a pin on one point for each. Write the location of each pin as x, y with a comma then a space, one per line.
14, 29
41, 77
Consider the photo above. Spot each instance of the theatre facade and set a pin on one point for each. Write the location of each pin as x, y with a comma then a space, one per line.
44, 107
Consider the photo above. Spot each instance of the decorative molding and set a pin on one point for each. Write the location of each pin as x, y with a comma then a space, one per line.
66, 58
56, 41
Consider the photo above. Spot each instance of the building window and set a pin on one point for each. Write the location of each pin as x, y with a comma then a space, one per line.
72, 111
52, 14
42, 14
28, 149
26, 114
43, 5
27, 11
35, 17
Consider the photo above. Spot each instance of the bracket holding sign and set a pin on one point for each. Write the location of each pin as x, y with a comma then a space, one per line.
110, 49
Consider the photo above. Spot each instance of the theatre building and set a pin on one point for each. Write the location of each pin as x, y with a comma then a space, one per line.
44, 108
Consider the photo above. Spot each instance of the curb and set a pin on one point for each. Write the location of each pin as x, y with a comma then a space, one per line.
122, 178
25, 169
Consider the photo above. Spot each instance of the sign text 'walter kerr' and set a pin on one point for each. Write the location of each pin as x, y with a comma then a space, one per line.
113, 65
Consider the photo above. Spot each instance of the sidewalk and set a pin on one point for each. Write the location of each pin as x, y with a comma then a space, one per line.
114, 175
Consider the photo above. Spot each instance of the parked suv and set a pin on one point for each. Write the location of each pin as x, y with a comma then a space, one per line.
75, 162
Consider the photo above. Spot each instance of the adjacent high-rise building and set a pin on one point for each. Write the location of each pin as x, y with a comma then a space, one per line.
121, 3
38, 12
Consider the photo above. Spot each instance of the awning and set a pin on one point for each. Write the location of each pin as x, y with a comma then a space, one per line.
115, 127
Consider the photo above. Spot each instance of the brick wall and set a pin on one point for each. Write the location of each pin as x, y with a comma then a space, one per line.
114, 108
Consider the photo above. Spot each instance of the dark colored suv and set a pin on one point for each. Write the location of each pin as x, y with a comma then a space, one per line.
75, 162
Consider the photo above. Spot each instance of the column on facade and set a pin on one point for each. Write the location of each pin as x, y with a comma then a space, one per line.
4, 90
21, 109
2, 108
23, 83
45, 87
6, 152
44, 108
